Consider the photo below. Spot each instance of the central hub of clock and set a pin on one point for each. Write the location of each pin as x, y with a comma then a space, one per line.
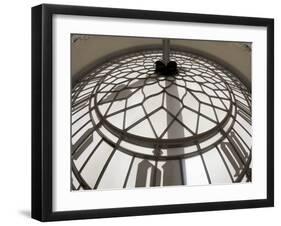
169, 70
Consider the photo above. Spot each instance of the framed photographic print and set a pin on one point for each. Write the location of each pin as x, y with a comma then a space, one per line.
146, 112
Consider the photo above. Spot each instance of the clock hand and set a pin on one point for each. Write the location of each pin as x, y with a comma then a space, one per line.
123, 91
174, 175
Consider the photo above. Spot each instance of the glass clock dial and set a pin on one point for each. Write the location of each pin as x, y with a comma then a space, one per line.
132, 127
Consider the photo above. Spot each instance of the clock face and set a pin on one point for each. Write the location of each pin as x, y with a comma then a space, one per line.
133, 128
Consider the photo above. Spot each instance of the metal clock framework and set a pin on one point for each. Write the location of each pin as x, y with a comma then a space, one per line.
134, 128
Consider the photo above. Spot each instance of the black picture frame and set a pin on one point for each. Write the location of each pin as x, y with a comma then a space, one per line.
42, 111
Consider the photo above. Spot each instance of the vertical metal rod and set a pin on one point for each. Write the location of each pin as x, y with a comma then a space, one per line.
166, 51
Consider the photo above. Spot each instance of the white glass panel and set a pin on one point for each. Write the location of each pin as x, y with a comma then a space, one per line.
195, 172
76, 137
216, 168
82, 121
133, 115
115, 173
95, 165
